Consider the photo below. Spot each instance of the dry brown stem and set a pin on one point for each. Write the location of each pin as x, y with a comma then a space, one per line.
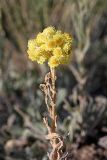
57, 142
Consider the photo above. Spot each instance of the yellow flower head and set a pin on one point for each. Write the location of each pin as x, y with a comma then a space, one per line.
52, 46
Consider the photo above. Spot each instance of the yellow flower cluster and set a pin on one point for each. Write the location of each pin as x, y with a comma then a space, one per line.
51, 45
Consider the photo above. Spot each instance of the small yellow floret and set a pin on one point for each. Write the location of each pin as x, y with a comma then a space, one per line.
53, 62
52, 46
49, 31
57, 52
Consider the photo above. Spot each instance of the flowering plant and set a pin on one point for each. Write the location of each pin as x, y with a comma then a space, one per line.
54, 47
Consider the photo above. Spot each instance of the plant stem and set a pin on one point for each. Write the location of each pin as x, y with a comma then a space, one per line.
55, 139
53, 105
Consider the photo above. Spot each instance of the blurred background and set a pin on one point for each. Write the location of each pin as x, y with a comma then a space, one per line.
81, 85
